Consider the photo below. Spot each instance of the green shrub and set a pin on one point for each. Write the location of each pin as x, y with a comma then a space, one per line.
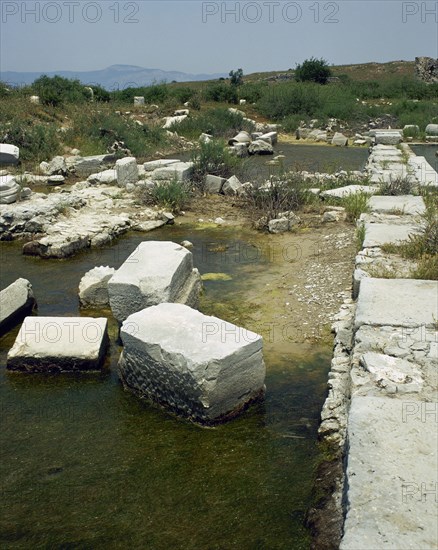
221, 92
93, 131
183, 94
252, 91
397, 186
355, 204
313, 70
217, 122
213, 158
37, 142
173, 195
287, 99
57, 90
282, 194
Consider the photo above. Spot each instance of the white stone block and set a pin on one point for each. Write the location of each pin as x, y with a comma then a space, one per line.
195, 365
16, 300
156, 272
127, 171
59, 344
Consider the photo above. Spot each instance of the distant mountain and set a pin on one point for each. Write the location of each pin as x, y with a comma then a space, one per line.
116, 77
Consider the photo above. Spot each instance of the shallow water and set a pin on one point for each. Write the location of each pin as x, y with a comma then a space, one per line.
313, 158
86, 465
429, 152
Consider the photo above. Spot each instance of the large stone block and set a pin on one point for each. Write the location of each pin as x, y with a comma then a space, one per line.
93, 287
152, 165
213, 184
198, 366
16, 300
181, 171
127, 171
388, 137
432, 129
405, 204
378, 234
397, 302
156, 272
9, 154
85, 166
391, 475
59, 344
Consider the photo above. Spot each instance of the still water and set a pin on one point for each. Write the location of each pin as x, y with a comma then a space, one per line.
86, 465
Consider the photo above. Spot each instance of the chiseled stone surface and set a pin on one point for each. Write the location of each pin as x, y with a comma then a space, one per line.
59, 344
195, 365
391, 475
405, 204
16, 300
156, 272
378, 234
397, 302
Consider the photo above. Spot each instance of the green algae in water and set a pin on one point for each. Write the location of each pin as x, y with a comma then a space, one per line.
87, 465
216, 277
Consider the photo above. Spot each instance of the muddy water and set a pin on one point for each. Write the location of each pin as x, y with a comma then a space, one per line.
86, 465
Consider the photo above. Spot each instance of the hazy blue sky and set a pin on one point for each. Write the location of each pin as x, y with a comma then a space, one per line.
207, 37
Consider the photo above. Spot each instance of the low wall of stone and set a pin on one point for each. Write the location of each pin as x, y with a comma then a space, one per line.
381, 412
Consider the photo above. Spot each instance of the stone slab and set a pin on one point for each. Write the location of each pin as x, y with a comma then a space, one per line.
378, 234
397, 302
407, 204
181, 171
391, 476
59, 344
196, 365
16, 300
155, 272
341, 192
152, 165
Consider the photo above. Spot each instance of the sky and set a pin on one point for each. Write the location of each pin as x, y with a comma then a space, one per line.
211, 37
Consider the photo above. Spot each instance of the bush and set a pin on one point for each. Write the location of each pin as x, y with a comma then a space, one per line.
281, 194
355, 205
173, 195
37, 142
213, 158
287, 99
94, 131
217, 122
183, 94
57, 90
313, 70
397, 186
221, 92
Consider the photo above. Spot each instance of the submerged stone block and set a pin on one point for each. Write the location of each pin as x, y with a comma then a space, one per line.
15, 301
197, 366
156, 272
59, 344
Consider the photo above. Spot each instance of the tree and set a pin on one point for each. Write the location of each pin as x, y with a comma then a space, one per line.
236, 77
313, 70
